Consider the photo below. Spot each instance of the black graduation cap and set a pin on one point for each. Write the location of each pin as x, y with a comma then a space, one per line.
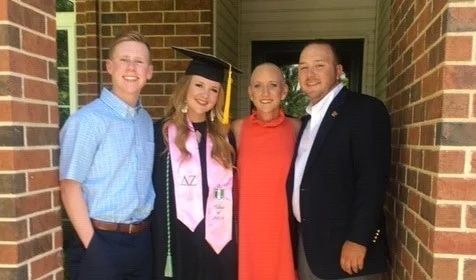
212, 68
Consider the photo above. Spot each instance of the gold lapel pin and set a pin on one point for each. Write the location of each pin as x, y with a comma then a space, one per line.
334, 114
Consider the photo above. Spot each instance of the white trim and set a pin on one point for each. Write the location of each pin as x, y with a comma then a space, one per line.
67, 21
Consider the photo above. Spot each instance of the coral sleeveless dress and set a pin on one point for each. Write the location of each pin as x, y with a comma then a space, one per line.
264, 156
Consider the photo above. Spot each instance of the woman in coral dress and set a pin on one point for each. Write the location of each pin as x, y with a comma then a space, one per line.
265, 149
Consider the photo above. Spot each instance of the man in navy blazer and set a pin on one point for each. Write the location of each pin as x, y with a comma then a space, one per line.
338, 180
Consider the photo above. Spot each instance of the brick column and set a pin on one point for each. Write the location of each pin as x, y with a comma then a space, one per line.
30, 220
432, 99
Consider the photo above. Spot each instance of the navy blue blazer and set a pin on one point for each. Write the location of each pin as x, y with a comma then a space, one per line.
344, 184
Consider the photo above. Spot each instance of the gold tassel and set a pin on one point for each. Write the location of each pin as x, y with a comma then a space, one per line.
168, 267
226, 110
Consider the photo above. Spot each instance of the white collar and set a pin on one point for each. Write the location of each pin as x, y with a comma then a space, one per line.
322, 105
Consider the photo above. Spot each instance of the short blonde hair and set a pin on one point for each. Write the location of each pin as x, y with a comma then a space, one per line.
131, 35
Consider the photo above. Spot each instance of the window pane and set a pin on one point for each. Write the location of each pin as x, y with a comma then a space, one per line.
63, 80
62, 47
63, 87
64, 6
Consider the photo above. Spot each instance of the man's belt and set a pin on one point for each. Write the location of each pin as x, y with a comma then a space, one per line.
125, 228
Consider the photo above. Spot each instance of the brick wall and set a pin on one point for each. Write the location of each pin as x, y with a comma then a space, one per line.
164, 23
432, 99
30, 226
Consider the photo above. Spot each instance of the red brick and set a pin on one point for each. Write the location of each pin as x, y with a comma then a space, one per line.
151, 17
36, 44
444, 161
405, 156
454, 243
409, 220
425, 259
471, 216
51, 27
427, 135
46, 265
23, 112
448, 216
455, 189
60, 275
473, 163
444, 269
26, 17
124, 6
193, 5
3, 10
186, 41
42, 136
458, 48
469, 271
413, 135
8, 254
434, 108
33, 203
459, 77
422, 231
427, 210
407, 261
193, 29
58, 239
24, 159
414, 201
417, 158
41, 90
425, 184
156, 5
13, 231
42, 180
23, 64
455, 105
432, 83
45, 6
10, 85
419, 274
45, 222
182, 16
461, 19
54, 114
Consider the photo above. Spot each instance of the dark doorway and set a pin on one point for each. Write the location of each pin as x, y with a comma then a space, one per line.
284, 53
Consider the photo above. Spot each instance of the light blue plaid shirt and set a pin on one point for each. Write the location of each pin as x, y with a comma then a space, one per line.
108, 147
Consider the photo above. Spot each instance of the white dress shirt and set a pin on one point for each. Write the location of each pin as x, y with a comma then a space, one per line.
317, 112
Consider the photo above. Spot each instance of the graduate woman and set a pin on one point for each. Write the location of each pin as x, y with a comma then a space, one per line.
192, 225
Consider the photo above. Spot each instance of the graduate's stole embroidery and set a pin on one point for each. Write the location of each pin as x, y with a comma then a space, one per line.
187, 176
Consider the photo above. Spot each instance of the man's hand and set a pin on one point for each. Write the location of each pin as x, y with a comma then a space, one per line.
352, 257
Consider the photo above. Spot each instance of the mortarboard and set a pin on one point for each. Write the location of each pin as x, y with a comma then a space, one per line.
212, 68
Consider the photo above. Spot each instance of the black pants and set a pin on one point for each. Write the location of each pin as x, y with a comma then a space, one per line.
111, 256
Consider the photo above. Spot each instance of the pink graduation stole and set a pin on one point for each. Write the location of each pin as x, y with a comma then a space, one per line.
187, 176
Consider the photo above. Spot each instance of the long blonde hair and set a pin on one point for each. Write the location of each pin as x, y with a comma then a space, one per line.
222, 150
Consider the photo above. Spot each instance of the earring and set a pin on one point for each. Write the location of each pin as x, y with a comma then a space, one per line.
212, 115
184, 108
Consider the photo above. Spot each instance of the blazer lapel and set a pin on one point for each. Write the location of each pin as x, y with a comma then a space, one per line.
331, 115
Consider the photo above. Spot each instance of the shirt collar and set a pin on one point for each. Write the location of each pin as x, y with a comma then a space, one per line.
323, 104
118, 105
